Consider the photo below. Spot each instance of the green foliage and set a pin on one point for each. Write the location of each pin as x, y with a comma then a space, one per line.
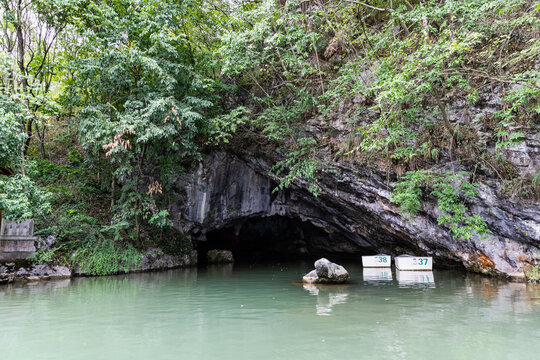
265, 39
11, 140
106, 258
450, 190
223, 127
299, 164
44, 257
407, 193
161, 220
142, 95
273, 50
415, 58
97, 249
21, 199
28, 64
522, 105
73, 189
137, 89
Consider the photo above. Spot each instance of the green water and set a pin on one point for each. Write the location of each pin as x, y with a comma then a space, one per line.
260, 313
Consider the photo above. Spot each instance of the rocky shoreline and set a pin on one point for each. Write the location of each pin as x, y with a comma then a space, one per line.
10, 273
154, 259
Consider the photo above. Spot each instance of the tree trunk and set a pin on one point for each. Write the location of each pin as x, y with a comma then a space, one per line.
29, 125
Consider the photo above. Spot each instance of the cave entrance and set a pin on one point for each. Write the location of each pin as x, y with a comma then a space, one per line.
268, 239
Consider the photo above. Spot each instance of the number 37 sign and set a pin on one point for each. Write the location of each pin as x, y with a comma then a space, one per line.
407, 262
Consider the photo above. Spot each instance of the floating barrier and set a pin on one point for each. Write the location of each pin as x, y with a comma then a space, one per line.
377, 274
412, 278
409, 262
379, 260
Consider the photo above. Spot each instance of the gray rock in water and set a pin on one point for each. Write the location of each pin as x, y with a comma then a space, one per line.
48, 272
311, 277
219, 256
59, 272
326, 272
22, 272
34, 273
41, 270
156, 259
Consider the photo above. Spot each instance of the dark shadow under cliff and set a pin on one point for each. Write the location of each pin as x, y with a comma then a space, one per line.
275, 238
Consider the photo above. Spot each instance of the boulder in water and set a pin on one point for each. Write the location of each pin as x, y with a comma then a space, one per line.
326, 272
311, 277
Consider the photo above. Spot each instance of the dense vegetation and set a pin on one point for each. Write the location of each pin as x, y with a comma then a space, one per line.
103, 103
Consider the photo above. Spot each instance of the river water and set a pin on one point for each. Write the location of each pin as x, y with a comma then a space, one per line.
261, 313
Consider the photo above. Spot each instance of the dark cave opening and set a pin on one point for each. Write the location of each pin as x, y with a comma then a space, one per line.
275, 238
279, 239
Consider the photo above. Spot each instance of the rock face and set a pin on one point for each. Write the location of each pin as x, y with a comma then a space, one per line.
326, 272
354, 209
46, 243
9, 273
51, 271
219, 256
156, 259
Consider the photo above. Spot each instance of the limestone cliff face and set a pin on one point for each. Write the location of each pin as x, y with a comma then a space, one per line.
354, 209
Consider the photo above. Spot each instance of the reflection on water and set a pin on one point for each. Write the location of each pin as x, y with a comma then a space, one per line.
327, 297
18, 289
324, 307
377, 274
312, 289
415, 278
220, 269
234, 313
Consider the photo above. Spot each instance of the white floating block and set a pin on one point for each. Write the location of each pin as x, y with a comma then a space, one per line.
415, 277
409, 262
379, 260
377, 274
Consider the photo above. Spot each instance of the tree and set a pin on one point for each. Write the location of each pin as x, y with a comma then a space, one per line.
142, 93
29, 48
19, 197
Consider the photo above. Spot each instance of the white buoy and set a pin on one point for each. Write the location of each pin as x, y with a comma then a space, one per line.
379, 260
411, 278
409, 262
377, 274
